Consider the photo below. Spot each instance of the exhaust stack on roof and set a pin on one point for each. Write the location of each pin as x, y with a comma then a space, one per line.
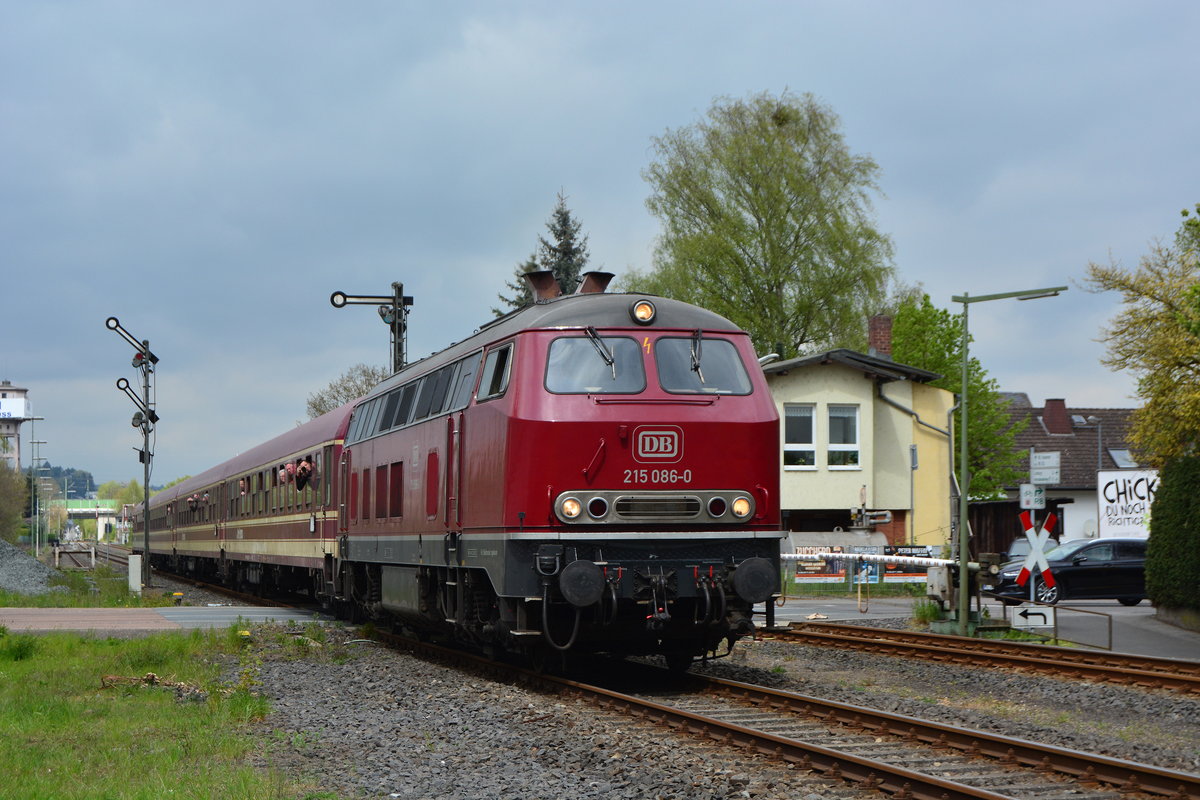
594, 282
543, 284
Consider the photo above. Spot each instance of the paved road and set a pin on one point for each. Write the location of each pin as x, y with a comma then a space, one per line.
1134, 630
104, 621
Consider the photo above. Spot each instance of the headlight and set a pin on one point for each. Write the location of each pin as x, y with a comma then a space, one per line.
742, 507
642, 312
571, 508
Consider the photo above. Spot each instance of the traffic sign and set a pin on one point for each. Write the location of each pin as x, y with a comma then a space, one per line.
1037, 546
1027, 616
1044, 467
1050, 459
1032, 496
1045, 475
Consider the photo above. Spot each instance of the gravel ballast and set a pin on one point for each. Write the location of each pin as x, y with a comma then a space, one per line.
386, 724
356, 720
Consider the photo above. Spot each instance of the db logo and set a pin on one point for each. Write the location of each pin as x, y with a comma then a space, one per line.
658, 445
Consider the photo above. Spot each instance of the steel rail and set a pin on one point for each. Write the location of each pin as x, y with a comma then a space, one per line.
905, 783
1144, 671
1129, 776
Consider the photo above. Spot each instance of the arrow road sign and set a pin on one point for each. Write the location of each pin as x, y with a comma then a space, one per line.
1033, 617
1037, 546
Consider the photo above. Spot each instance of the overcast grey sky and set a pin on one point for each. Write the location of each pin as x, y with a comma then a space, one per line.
210, 172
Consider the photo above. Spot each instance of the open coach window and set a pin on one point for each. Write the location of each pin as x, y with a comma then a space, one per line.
595, 364
696, 365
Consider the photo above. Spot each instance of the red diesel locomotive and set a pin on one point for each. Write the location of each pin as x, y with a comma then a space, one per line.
593, 472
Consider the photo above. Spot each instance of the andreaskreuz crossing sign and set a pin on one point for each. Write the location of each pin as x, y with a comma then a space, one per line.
1037, 547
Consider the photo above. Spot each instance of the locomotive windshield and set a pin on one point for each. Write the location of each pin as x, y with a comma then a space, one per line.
694, 365
595, 365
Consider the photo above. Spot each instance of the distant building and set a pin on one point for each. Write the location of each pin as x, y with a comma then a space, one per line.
14, 409
1091, 443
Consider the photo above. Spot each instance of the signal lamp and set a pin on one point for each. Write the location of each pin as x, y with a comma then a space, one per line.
742, 507
571, 508
139, 419
139, 360
642, 312
597, 507
387, 314
717, 507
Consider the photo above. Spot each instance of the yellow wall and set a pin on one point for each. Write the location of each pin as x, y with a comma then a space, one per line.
885, 434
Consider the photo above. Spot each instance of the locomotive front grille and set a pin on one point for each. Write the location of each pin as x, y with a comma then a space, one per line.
642, 508
705, 507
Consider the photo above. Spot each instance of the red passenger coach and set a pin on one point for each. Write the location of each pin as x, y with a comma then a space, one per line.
592, 472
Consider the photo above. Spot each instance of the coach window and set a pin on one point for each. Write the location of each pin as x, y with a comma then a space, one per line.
695, 365
469, 368
366, 494
444, 378
319, 476
355, 424
799, 449
386, 420
396, 489
425, 397
595, 364
381, 492
843, 437
496, 367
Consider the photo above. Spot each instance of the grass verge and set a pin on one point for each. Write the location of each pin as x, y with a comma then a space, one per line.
79, 718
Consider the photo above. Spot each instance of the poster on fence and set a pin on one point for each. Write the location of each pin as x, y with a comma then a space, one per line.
905, 573
832, 570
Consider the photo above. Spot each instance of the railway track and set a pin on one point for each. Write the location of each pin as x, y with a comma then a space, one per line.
903, 756
1064, 662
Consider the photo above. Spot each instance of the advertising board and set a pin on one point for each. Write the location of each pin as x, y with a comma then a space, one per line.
12, 408
1124, 497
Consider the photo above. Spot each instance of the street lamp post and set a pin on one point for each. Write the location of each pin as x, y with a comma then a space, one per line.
964, 469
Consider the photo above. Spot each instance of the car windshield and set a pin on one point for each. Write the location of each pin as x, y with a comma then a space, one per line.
1067, 549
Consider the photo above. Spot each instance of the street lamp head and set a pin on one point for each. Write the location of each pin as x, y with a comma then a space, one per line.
1039, 295
1093, 419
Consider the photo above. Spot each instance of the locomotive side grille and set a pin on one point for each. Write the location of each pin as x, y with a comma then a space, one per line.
681, 507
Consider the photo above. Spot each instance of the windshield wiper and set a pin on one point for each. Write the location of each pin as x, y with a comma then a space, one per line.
604, 352
697, 344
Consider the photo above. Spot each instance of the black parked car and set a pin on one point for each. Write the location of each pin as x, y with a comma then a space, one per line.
1108, 568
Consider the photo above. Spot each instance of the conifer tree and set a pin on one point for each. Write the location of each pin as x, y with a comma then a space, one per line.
565, 253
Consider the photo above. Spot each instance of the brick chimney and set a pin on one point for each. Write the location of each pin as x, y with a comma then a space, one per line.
1055, 417
879, 336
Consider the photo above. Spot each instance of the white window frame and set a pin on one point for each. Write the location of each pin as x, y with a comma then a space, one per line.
843, 447
809, 447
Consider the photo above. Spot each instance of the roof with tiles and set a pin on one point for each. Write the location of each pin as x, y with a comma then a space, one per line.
1085, 437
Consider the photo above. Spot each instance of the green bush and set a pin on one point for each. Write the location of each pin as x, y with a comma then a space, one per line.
1173, 553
